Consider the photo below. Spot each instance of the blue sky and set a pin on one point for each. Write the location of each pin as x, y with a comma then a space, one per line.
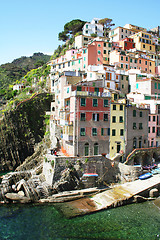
32, 26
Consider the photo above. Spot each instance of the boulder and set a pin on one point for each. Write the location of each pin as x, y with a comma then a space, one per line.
69, 180
15, 197
154, 192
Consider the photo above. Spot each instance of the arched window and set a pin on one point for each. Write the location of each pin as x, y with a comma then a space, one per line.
86, 149
96, 149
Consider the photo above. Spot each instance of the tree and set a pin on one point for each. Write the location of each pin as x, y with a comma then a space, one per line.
94, 35
62, 36
107, 24
70, 29
74, 26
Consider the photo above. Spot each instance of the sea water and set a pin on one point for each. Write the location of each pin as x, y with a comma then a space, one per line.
44, 222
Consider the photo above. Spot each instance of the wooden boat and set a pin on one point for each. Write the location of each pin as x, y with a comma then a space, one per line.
145, 176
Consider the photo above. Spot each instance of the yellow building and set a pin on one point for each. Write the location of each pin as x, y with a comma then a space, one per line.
143, 41
117, 128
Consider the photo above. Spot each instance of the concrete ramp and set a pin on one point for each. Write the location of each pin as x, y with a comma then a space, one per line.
116, 196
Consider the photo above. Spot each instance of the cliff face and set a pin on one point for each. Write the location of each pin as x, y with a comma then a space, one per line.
21, 129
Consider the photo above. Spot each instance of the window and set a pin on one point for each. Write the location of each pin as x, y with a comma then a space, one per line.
108, 131
104, 51
145, 62
113, 119
98, 59
126, 59
155, 85
148, 129
83, 117
121, 119
121, 132
102, 131
105, 103
95, 102
154, 118
113, 132
95, 148
134, 125
115, 96
134, 142
105, 117
99, 45
140, 113
83, 102
99, 52
134, 113
137, 85
140, 126
121, 107
122, 85
86, 149
121, 65
94, 131
79, 88
131, 60
135, 60
153, 129
79, 61
149, 118
104, 44
122, 77
95, 116
140, 61
144, 46
84, 58
121, 58
114, 107
86, 26
82, 132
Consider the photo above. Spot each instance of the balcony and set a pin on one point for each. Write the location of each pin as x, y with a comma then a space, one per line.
92, 94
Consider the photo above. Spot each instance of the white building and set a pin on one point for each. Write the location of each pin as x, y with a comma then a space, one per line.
18, 87
93, 27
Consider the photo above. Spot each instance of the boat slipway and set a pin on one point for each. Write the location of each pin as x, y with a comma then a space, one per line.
113, 197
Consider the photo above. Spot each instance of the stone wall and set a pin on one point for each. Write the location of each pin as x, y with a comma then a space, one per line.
106, 170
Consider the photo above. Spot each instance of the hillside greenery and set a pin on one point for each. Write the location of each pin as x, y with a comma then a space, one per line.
11, 72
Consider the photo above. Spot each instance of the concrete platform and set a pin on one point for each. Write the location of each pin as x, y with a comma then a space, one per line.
117, 196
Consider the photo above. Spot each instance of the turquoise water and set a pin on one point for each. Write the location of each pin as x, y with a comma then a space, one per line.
32, 222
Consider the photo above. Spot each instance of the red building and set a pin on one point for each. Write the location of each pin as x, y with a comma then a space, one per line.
127, 44
89, 118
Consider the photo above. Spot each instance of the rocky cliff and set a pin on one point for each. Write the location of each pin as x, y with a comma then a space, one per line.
21, 129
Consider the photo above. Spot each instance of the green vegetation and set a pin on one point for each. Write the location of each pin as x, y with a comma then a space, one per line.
70, 29
11, 73
107, 24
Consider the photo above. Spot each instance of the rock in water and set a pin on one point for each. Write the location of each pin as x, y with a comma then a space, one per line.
15, 197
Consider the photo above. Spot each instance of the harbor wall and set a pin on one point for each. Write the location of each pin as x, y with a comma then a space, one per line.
107, 170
